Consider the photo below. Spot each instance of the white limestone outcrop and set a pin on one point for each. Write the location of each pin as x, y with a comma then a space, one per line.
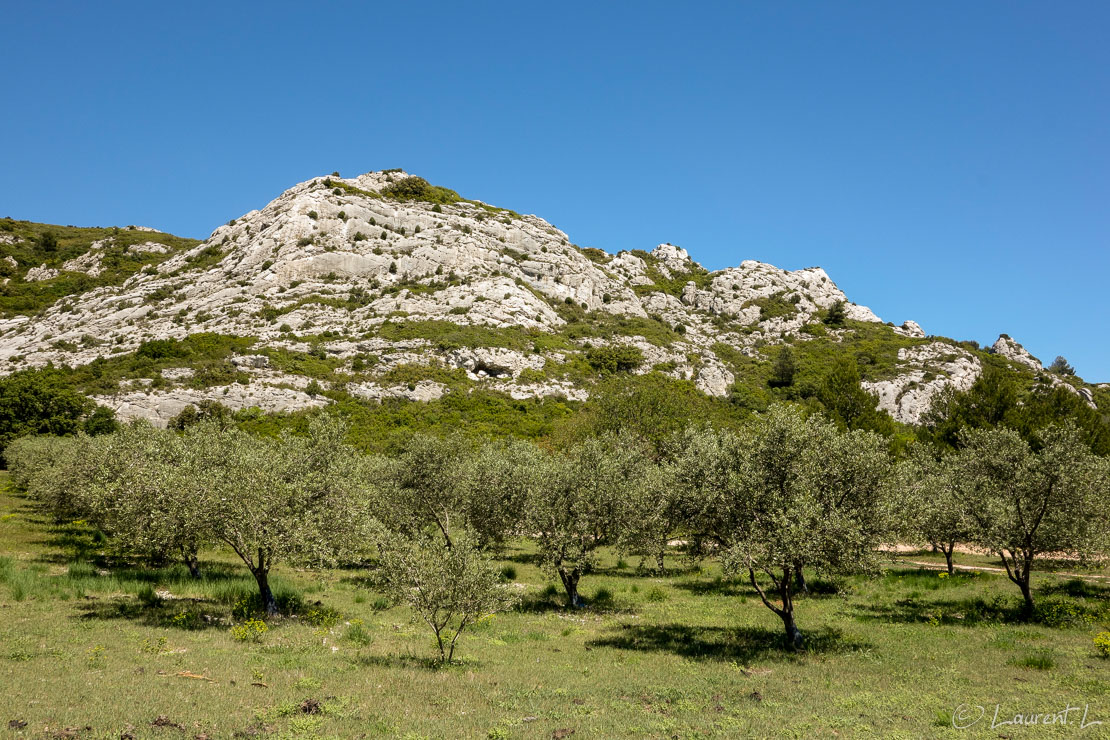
331, 261
926, 370
1006, 347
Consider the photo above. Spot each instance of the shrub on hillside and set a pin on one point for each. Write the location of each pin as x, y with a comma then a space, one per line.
838, 313
615, 358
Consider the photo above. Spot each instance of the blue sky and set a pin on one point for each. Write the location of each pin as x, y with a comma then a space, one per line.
943, 161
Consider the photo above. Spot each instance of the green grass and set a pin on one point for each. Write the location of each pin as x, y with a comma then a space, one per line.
87, 640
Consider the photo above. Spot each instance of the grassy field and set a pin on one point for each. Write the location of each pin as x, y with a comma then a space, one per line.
94, 648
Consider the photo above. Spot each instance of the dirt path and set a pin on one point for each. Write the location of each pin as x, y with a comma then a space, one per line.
941, 566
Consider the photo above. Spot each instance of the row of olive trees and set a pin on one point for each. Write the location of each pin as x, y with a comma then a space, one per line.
161, 493
787, 493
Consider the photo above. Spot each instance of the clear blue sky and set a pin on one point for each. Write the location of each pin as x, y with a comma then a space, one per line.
944, 161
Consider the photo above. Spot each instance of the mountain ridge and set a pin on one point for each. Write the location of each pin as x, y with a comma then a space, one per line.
407, 290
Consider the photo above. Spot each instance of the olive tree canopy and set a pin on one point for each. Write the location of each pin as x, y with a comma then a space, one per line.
1024, 503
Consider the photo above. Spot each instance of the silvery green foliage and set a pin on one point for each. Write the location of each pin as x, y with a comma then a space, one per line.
428, 486
787, 493
144, 492
1025, 503
447, 484
52, 470
661, 510
809, 495
705, 476
927, 495
294, 498
448, 587
502, 476
581, 501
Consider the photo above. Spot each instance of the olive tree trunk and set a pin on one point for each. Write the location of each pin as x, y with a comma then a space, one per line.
949, 549
1019, 569
570, 585
269, 603
191, 560
784, 586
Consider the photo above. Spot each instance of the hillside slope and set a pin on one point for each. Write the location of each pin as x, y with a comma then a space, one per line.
383, 286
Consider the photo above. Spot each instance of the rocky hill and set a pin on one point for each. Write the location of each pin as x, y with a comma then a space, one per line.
383, 286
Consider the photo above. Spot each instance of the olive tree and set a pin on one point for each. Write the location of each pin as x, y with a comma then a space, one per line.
652, 410
787, 493
448, 586
53, 471
293, 498
428, 486
502, 475
1024, 503
135, 485
704, 481
144, 492
658, 512
581, 502
929, 501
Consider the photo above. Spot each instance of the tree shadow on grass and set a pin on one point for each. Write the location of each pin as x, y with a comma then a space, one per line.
1051, 610
819, 588
1076, 588
423, 663
66, 542
914, 610
716, 587
183, 614
210, 573
193, 613
548, 602
740, 644
368, 581
648, 569
522, 558
224, 580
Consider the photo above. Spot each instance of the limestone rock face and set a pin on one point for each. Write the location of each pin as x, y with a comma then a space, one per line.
250, 361
911, 329
1011, 350
178, 373
925, 371
423, 391
493, 362
148, 247
158, 407
334, 265
38, 274
675, 259
714, 379
89, 262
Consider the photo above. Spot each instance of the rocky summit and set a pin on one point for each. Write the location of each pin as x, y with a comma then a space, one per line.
383, 286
